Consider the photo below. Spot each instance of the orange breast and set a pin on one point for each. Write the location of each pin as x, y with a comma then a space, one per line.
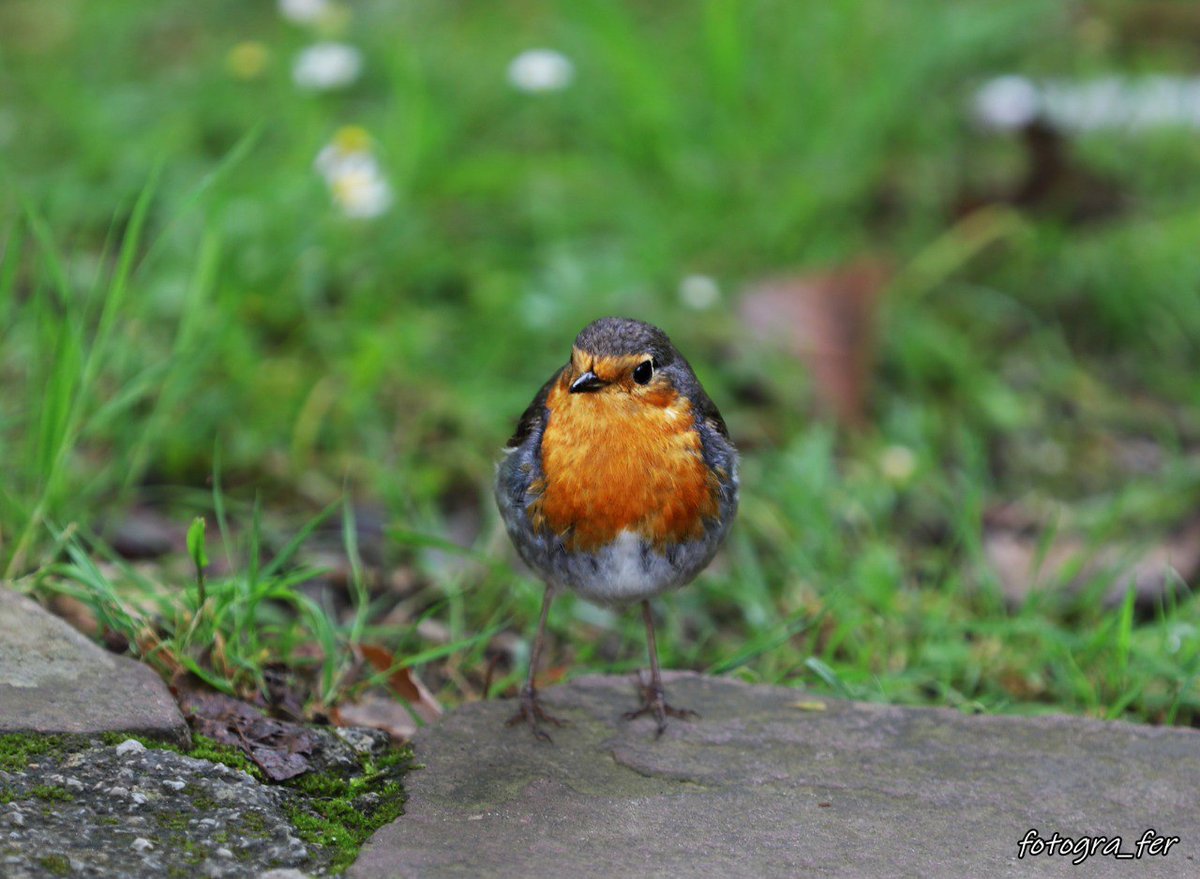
614, 463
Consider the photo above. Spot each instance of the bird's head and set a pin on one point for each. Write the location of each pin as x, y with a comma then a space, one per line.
622, 356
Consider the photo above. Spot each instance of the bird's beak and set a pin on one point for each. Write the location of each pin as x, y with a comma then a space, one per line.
587, 382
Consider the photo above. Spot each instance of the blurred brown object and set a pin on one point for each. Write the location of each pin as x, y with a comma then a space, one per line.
1158, 23
147, 533
403, 682
1055, 183
1014, 548
83, 619
827, 320
396, 718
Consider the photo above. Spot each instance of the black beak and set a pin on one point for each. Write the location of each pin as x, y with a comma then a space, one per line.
587, 382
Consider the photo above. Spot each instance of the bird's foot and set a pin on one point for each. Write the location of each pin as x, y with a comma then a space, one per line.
654, 702
532, 713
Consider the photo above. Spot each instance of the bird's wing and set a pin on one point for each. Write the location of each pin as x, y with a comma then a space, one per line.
534, 414
706, 410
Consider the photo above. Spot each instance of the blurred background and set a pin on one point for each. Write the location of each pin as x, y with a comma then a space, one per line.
297, 268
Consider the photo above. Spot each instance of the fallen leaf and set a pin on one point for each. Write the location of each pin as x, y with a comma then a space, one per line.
404, 682
278, 747
285, 694
378, 712
809, 706
827, 320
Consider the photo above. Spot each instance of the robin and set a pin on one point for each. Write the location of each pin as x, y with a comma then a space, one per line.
620, 483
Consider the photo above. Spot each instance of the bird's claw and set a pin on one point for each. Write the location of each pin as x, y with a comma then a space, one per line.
532, 713
654, 702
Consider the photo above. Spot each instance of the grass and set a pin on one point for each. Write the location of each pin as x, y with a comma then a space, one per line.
180, 304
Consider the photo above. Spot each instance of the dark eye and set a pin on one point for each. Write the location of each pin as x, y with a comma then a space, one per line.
644, 372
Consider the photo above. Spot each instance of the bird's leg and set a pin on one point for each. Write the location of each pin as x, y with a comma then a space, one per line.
653, 699
531, 711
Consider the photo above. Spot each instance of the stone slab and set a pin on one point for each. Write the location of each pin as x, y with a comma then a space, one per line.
54, 680
767, 784
126, 811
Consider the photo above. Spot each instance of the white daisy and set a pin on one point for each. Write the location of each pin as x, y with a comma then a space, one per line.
304, 11
326, 66
541, 70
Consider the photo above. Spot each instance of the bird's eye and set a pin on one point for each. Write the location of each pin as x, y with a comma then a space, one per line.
644, 372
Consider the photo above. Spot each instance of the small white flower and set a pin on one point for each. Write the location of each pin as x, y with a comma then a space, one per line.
355, 180
1008, 102
304, 11
541, 70
334, 161
362, 195
326, 66
699, 292
898, 464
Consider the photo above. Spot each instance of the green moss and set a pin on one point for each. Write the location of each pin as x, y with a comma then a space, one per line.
172, 821
56, 865
51, 792
321, 784
193, 853
339, 814
204, 748
116, 738
253, 824
202, 801
18, 750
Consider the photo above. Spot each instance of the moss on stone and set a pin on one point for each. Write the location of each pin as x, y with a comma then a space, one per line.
204, 748
332, 812
339, 814
172, 821
51, 792
56, 865
18, 750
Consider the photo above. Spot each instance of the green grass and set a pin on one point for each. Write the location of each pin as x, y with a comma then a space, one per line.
179, 302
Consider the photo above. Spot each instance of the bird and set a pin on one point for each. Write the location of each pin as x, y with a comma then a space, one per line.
620, 483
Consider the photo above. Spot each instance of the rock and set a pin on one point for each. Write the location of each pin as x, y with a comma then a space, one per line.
765, 784
130, 746
220, 823
54, 680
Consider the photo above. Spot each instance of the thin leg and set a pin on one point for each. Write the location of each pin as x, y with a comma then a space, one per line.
653, 699
531, 711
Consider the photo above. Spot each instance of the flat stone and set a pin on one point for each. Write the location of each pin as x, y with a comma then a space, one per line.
112, 813
54, 680
770, 781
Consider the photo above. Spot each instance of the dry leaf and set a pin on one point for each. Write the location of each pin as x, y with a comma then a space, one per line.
809, 706
404, 683
377, 712
279, 748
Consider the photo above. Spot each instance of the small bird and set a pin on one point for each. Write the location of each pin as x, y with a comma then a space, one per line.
620, 483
